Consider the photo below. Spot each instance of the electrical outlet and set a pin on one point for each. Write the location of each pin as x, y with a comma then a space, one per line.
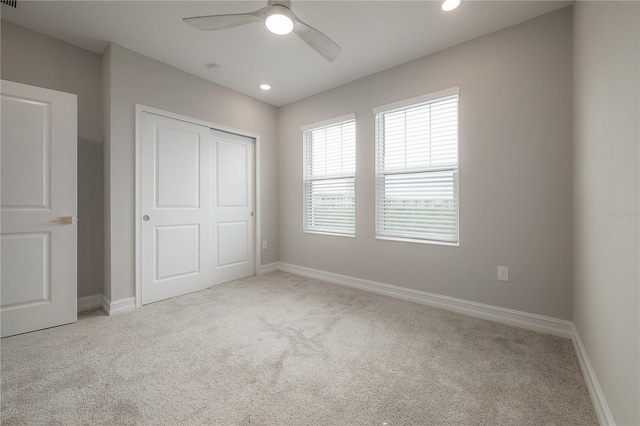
264, 245
503, 273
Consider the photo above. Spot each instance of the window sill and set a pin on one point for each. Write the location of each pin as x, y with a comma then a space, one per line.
335, 234
417, 241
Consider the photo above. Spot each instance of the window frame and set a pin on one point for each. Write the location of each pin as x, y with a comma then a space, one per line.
306, 158
379, 173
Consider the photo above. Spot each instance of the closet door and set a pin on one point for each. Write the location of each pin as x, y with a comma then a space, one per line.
233, 211
177, 243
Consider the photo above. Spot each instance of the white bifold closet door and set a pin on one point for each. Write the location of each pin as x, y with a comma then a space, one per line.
38, 208
197, 207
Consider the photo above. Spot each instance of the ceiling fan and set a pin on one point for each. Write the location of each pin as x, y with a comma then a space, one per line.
279, 19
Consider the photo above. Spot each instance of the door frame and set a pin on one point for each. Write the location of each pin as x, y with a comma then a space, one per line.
140, 109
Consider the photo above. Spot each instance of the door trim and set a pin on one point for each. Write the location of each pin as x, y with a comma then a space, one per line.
140, 109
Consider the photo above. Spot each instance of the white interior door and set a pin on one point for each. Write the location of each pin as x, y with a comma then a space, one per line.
233, 214
38, 148
177, 244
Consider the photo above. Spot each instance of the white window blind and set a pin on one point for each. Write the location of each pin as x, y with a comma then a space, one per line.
417, 170
329, 178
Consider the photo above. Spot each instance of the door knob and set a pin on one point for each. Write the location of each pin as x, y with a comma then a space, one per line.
64, 220
145, 217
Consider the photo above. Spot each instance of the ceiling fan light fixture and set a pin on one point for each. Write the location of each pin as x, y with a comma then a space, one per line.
279, 23
449, 5
278, 18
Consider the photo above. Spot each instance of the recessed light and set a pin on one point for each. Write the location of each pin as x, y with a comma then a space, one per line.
265, 86
449, 5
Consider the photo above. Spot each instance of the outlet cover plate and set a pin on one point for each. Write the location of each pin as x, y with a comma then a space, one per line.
503, 273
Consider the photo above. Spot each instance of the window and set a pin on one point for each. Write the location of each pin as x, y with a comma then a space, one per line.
329, 177
417, 169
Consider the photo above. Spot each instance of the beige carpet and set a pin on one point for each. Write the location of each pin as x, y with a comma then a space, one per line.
285, 350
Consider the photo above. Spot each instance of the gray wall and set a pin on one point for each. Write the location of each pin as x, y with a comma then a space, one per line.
38, 60
515, 172
90, 225
106, 111
606, 137
135, 78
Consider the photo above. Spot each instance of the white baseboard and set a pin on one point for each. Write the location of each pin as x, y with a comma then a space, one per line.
520, 319
118, 306
89, 302
269, 267
597, 396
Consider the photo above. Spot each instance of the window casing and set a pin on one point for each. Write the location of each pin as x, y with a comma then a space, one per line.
417, 195
329, 177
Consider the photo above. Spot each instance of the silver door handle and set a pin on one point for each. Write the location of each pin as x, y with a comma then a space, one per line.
145, 217
251, 213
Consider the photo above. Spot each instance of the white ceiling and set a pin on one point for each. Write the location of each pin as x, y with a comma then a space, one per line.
374, 35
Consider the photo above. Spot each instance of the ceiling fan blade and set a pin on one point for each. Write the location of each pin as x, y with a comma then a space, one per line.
318, 41
222, 22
